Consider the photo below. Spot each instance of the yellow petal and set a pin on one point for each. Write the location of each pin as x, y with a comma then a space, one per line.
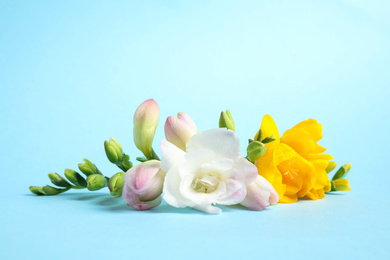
288, 198
312, 127
304, 136
298, 173
267, 168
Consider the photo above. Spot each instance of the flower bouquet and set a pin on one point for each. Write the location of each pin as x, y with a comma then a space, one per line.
203, 169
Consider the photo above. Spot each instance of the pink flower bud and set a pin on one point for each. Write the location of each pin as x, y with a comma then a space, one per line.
178, 130
143, 185
145, 124
260, 194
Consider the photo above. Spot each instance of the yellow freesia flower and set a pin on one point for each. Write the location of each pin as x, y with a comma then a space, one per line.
294, 164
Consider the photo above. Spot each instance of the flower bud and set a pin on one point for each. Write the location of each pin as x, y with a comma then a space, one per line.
342, 172
75, 178
46, 190
226, 121
145, 124
56, 179
255, 150
113, 150
35, 190
341, 184
96, 182
178, 130
143, 185
260, 194
115, 184
330, 167
88, 168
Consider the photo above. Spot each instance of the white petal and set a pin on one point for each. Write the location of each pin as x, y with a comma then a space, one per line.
235, 193
171, 189
170, 155
246, 169
195, 159
220, 166
223, 142
208, 209
197, 198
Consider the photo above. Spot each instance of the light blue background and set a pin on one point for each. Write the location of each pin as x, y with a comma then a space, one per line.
73, 72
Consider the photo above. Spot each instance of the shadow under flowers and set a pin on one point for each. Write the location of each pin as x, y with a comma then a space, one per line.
107, 202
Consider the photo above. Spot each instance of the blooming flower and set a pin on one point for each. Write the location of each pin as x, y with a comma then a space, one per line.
143, 185
293, 164
303, 139
145, 124
211, 171
178, 130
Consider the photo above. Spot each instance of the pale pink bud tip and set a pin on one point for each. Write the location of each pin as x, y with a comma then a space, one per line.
260, 194
178, 130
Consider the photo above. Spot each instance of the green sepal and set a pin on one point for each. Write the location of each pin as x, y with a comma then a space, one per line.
75, 178
342, 172
58, 180
250, 141
259, 136
268, 140
333, 187
35, 190
127, 164
141, 159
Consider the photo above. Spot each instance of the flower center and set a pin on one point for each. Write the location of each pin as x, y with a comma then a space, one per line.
205, 182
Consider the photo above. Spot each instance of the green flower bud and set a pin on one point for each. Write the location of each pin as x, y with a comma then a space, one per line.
115, 184
49, 190
330, 167
340, 184
75, 178
88, 168
96, 182
342, 172
226, 121
35, 190
255, 150
113, 150
56, 179
126, 163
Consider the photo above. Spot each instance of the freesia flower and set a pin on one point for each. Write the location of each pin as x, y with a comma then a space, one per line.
293, 164
145, 124
260, 194
143, 185
303, 139
211, 171
178, 130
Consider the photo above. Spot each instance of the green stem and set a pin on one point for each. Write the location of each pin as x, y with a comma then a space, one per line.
154, 155
121, 166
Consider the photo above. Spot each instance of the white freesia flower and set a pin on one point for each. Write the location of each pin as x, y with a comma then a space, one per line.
211, 171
